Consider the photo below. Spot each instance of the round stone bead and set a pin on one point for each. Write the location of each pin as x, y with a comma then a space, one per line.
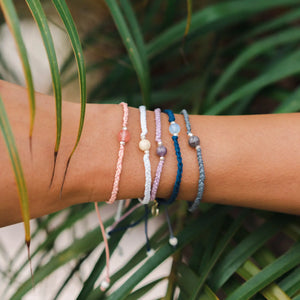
161, 150
144, 145
124, 136
173, 241
194, 141
174, 128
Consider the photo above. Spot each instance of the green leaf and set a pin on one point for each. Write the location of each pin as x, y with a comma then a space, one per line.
218, 250
17, 168
189, 17
258, 48
67, 19
291, 104
53, 235
235, 258
79, 246
270, 273
287, 66
13, 23
213, 18
136, 54
139, 293
189, 233
291, 283
41, 20
271, 292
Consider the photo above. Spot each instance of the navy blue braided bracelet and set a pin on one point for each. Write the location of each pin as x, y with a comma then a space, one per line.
174, 130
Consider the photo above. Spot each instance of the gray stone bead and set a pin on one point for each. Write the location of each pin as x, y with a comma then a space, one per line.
161, 150
194, 141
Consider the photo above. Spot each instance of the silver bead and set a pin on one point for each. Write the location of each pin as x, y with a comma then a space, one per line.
124, 128
190, 134
122, 143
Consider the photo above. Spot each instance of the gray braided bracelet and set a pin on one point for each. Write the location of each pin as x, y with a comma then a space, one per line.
194, 142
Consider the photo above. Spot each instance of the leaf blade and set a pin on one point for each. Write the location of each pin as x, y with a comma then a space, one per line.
68, 21
16, 164
42, 24
13, 23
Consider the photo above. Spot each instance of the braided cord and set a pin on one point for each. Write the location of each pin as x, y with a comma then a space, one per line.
115, 189
170, 115
187, 121
194, 142
143, 120
156, 179
145, 145
123, 138
174, 130
147, 179
157, 112
179, 171
161, 151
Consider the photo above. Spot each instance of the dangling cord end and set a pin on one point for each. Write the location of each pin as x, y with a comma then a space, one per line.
119, 210
105, 283
150, 251
173, 241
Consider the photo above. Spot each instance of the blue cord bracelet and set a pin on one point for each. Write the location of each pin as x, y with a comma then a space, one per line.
174, 129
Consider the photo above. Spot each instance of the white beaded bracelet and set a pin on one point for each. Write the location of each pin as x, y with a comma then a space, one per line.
145, 145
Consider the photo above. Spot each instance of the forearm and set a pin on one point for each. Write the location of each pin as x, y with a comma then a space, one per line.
249, 161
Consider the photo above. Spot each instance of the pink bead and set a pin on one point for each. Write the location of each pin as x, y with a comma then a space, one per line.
124, 136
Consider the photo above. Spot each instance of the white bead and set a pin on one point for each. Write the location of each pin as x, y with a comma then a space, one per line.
124, 128
104, 285
144, 145
122, 143
159, 143
190, 134
198, 147
107, 230
173, 241
150, 252
162, 158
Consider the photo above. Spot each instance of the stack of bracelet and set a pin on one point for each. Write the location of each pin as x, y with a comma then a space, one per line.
150, 192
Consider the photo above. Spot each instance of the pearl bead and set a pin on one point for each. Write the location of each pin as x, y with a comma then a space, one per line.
104, 285
174, 128
161, 150
150, 252
144, 145
173, 241
194, 141
124, 136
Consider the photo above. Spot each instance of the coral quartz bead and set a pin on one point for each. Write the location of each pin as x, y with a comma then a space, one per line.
124, 136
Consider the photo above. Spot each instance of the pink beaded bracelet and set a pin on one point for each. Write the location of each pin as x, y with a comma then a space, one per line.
123, 138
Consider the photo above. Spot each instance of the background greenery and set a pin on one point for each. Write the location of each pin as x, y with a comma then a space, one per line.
237, 57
